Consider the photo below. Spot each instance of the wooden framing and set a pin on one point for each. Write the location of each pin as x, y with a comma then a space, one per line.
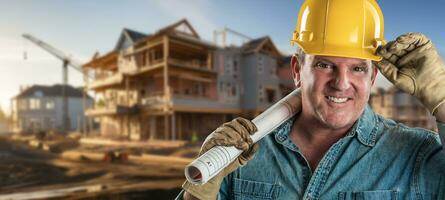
101, 62
209, 60
191, 109
268, 41
189, 45
149, 45
195, 71
166, 85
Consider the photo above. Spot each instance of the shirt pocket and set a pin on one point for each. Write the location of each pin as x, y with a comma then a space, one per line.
247, 190
366, 195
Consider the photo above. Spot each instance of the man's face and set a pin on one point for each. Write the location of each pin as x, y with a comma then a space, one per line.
334, 90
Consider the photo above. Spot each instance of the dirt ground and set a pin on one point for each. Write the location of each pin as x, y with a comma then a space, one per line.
24, 170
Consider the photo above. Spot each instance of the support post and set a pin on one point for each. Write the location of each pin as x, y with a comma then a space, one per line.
173, 125
65, 119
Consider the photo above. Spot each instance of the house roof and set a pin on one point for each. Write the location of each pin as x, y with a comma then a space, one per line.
50, 91
131, 36
256, 45
134, 35
181, 30
182, 22
252, 45
107, 61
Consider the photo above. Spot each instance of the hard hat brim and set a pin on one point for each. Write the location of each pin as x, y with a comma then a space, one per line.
341, 51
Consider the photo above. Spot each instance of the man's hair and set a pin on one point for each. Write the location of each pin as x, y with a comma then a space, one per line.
300, 56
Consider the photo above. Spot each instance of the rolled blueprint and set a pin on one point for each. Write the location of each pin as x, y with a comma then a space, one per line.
217, 158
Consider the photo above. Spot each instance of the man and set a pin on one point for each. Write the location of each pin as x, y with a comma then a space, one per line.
337, 147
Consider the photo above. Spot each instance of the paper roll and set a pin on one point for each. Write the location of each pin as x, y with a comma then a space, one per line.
213, 161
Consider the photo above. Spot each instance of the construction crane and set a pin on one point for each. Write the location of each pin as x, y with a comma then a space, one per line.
66, 61
224, 32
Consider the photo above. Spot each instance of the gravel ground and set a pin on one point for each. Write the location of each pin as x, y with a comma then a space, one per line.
24, 169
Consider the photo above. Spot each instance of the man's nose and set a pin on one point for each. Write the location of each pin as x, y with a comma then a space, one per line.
341, 81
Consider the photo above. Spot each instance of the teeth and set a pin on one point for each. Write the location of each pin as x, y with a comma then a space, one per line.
337, 100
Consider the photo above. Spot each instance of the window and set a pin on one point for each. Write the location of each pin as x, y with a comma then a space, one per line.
273, 70
221, 85
144, 59
221, 65
49, 104
34, 104
228, 85
227, 68
198, 89
235, 66
260, 64
38, 93
260, 93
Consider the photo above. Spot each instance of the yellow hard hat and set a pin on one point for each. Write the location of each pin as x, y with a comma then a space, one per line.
344, 28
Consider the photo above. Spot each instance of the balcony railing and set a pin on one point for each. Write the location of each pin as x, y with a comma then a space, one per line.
191, 97
195, 63
104, 75
114, 79
111, 109
152, 63
153, 99
147, 67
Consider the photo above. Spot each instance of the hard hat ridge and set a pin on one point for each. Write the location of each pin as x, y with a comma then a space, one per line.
345, 28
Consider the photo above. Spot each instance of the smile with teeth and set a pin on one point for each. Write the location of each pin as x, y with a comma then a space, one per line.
337, 99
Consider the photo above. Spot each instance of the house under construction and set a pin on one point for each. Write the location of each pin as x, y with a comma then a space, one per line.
171, 84
401, 107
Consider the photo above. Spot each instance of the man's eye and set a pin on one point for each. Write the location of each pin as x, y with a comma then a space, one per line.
323, 65
360, 69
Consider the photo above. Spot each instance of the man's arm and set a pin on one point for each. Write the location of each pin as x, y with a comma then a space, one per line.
412, 63
188, 196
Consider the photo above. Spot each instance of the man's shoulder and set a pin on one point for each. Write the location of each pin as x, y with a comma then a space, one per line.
400, 132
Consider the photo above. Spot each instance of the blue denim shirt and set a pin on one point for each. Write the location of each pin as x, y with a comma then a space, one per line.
377, 159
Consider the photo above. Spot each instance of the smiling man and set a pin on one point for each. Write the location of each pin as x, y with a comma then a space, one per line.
337, 147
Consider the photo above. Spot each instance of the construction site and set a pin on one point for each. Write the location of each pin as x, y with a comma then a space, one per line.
144, 109
66, 168
140, 117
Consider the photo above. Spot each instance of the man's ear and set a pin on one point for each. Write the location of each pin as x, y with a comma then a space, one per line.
296, 70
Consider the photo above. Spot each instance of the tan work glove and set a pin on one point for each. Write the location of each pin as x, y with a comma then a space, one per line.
412, 64
234, 133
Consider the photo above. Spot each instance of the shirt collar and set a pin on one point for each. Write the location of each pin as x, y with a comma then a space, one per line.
282, 134
365, 128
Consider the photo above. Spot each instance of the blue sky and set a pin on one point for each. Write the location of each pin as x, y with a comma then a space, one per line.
83, 27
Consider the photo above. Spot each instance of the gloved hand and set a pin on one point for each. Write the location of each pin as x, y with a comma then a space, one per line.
412, 64
234, 133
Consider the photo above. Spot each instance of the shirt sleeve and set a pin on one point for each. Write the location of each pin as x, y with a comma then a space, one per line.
441, 127
432, 167
224, 189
